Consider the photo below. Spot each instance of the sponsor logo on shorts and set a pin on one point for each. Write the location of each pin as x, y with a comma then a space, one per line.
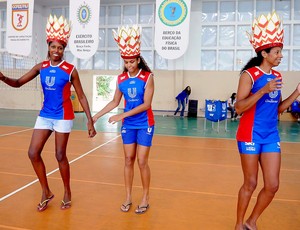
250, 146
149, 131
249, 143
250, 149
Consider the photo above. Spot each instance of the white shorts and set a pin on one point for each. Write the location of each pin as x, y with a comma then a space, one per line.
61, 126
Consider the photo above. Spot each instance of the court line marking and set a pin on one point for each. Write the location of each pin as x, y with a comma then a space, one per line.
114, 184
14, 228
12, 133
178, 190
92, 150
55, 170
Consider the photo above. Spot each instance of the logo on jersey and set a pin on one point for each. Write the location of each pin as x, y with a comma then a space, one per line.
50, 81
65, 67
256, 73
273, 94
132, 92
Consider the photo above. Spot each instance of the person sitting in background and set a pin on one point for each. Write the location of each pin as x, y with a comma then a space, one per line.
230, 106
182, 99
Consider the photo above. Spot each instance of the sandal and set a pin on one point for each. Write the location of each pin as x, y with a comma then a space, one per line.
65, 205
126, 207
44, 204
246, 227
142, 209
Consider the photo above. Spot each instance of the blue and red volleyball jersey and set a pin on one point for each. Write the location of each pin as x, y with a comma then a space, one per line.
133, 89
56, 84
259, 123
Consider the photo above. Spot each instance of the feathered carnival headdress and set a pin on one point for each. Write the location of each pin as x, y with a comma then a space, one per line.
267, 32
128, 40
58, 29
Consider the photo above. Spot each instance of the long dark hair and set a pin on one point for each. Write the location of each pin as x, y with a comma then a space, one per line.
255, 61
188, 90
142, 65
233, 95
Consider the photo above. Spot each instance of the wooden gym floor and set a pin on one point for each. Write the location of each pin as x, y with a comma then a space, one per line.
196, 175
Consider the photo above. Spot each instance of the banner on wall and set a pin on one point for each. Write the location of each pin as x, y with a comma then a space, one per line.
84, 17
19, 26
172, 25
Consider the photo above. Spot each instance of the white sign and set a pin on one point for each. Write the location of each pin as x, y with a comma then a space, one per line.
84, 17
172, 27
19, 26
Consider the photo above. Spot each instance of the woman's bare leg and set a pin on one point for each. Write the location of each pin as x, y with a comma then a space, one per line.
61, 141
270, 164
130, 155
143, 155
250, 166
38, 140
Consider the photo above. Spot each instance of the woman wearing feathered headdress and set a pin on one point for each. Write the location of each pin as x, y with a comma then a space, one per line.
259, 100
56, 115
136, 85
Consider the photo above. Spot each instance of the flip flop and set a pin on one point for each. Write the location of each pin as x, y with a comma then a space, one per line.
142, 209
126, 207
246, 227
44, 204
65, 205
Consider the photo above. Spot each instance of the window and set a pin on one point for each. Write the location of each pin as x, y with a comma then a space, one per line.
222, 42
224, 25
111, 17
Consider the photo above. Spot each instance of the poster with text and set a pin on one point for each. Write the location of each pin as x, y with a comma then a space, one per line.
84, 17
19, 26
172, 25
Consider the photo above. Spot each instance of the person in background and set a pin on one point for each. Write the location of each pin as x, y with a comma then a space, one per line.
259, 99
57, 76
136, 85
295, 109
182, 99
230, 106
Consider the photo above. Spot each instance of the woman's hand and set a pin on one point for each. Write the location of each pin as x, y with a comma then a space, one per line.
115, 118
95, 118
91, 129
275, 84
